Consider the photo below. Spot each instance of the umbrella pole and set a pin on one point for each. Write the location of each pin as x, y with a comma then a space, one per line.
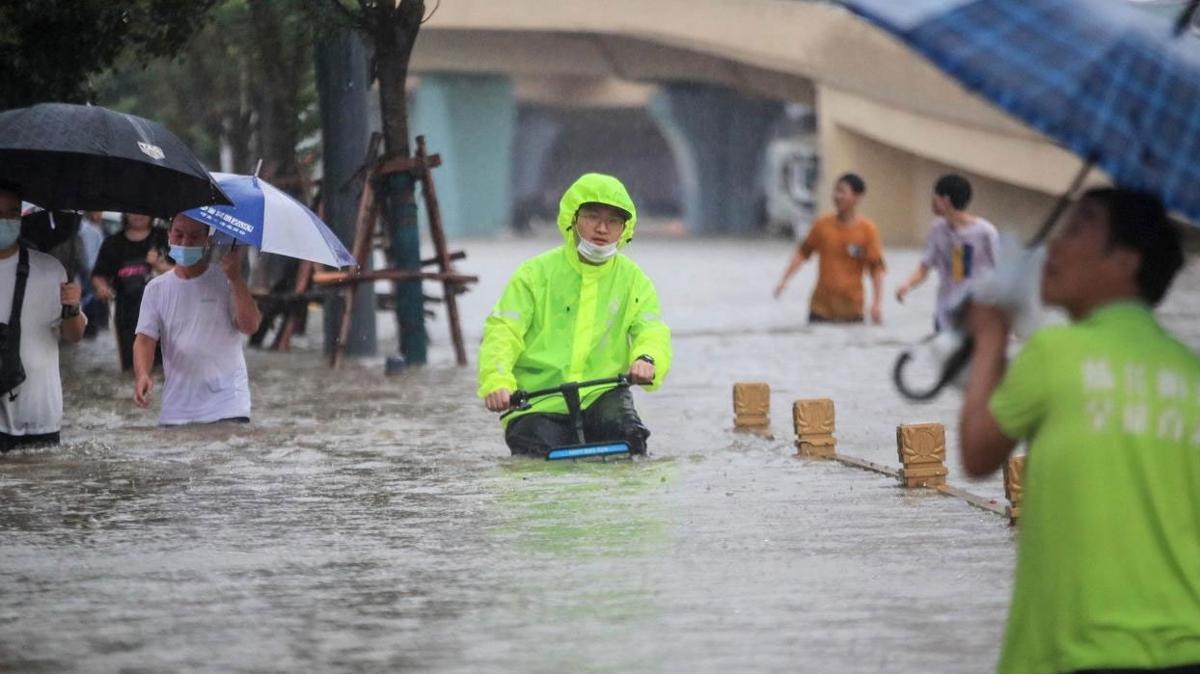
1063, 202
1185, 17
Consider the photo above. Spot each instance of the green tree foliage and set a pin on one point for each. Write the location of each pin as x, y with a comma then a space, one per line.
243, 87
51, 48
391, 27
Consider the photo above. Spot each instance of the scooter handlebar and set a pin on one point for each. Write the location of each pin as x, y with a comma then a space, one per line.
520, 400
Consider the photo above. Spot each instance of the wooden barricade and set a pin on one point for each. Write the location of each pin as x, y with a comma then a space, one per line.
420, 166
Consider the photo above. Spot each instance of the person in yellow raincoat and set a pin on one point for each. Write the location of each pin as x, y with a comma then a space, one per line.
578, 312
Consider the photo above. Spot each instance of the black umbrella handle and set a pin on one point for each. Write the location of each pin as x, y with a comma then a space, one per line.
953, 366
1062, 204
1185, 17
72, 276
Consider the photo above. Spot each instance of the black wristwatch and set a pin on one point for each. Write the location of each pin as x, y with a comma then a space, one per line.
70, 310
647, 358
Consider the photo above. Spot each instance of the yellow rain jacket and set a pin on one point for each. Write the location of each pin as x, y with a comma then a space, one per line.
561, 319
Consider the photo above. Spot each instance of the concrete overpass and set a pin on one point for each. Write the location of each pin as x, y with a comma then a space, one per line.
711, 71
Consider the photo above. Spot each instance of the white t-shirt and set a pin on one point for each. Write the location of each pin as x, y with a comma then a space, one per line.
38, 408
202, 349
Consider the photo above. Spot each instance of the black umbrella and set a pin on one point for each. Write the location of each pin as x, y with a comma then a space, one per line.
83, 157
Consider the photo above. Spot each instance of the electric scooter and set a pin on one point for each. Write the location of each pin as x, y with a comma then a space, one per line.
520, 400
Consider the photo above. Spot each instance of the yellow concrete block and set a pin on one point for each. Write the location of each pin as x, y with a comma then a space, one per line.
924, 470
922, 452
923, 475
1014, 474
923, 482
921, 443
822, 451
813, 417
751, 405
821, 440
747, 421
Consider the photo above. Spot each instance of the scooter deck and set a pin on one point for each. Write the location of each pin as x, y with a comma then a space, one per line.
592, 451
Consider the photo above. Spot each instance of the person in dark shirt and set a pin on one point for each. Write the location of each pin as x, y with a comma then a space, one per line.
121, 273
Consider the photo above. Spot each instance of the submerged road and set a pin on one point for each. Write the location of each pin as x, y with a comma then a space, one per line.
366, 523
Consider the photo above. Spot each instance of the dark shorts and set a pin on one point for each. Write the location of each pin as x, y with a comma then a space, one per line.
226, 420
817, 318
8, 442
611, 418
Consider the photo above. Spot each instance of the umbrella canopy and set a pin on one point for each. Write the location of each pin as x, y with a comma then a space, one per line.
82, 157
1110, 82
268, 218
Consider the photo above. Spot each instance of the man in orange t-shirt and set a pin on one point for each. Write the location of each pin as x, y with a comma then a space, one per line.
848, 245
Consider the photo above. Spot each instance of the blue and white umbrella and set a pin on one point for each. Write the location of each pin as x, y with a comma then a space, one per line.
1117, 85
269, 219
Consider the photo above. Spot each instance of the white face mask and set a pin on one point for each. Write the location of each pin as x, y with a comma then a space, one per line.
596, 254
10, 231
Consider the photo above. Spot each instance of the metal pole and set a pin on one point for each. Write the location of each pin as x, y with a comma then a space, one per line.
1063, 202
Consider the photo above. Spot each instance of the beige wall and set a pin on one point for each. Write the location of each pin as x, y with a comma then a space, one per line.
899, 186
887, 171
780, 48
883, 111
1008, 207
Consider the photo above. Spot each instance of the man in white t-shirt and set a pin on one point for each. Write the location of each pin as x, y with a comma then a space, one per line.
961, 247
31, 413
199, 313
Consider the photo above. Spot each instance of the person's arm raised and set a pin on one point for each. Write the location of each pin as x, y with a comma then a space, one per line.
984, 445
73, 326
246, 316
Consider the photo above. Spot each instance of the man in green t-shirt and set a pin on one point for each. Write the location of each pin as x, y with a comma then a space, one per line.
1108, 561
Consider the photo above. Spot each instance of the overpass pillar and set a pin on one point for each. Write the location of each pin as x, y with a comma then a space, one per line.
470, 120
536, 134
718, 137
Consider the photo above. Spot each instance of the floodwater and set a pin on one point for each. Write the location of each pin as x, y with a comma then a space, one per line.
367, 523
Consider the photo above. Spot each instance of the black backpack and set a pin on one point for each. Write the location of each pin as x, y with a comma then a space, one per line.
12, 373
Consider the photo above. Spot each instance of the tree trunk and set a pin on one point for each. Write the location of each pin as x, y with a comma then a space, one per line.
280, 57
394, 32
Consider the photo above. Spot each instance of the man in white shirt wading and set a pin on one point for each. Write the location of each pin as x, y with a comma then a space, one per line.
199, 313
31, 408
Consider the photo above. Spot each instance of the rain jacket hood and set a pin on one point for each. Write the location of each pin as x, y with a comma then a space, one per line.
561, 320
595, 188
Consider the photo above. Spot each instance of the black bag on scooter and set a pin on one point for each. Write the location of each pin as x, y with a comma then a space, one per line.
12, 372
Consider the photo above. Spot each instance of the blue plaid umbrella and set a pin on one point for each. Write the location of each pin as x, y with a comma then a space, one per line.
1112, 83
